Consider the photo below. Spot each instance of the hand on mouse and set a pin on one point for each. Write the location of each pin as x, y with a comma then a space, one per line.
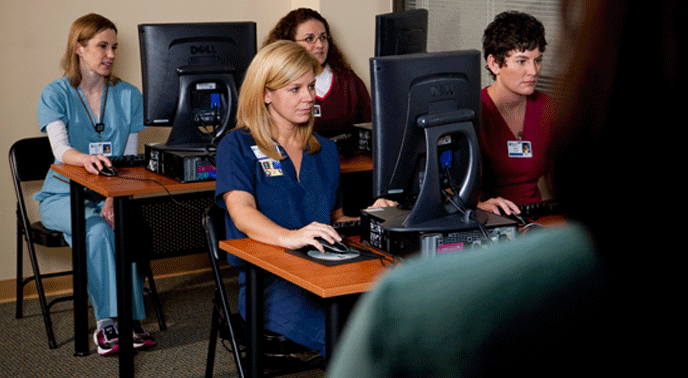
306, 236
493, 205
94, 163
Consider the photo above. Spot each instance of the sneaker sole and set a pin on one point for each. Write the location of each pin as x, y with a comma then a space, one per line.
144, 345
108, 352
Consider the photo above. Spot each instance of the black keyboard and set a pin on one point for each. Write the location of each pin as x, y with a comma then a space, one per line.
348, 228
540, 209
138, 160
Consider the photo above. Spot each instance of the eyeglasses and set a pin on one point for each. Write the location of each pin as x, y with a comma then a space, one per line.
312, 39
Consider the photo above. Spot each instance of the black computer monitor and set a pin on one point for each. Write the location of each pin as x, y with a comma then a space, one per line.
191, 73
426, 124
400, 33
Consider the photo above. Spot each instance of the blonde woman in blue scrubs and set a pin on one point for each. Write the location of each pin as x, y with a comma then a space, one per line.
90, 114
280, 182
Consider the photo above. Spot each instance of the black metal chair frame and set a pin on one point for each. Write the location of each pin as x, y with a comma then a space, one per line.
213, 223
30, 160
232, 327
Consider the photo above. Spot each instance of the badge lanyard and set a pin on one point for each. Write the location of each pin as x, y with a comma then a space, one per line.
100, 126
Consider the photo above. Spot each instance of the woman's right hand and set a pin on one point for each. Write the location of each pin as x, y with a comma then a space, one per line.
91, 163
304, 236
94, 163
493, 205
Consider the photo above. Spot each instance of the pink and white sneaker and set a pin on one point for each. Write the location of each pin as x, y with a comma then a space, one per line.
142, 339
107, 340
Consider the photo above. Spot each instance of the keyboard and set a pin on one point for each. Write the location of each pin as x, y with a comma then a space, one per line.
348, 228
540, 209
138, 160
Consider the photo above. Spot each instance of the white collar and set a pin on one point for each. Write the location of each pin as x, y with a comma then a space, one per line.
323, 82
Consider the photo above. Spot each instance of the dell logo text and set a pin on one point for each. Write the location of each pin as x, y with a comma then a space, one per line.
203, 49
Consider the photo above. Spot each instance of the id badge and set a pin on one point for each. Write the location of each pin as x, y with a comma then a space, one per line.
316, 111
102, 148
519, 149
270, 167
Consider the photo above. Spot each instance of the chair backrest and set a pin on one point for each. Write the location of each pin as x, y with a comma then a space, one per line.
214, 225
30, 158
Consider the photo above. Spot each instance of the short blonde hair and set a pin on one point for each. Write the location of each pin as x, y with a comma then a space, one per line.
82, 30
274, 67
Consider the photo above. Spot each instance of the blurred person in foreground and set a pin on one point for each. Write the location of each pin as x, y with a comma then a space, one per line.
572, 301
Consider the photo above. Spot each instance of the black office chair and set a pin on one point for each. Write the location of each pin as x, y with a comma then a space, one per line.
283, 356
222, 319
30, 160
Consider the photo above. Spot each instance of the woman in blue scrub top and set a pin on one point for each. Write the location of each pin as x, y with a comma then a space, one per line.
90, 114
280, 182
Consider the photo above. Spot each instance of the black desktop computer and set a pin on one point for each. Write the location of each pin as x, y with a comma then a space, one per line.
179, 164
382, 228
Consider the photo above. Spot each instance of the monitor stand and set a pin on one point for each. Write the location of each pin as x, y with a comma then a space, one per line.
430, 212
202, 82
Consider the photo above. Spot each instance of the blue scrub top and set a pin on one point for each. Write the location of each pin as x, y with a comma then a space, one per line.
60, 101
289, 202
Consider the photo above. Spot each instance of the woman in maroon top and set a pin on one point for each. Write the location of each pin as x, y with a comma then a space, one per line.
516, 118
341, 97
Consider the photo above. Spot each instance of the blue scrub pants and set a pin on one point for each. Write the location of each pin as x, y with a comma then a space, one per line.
56, 215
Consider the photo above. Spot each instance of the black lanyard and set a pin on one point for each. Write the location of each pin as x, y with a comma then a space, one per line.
100, 126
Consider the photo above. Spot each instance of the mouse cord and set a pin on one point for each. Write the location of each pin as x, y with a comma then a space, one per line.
169, 194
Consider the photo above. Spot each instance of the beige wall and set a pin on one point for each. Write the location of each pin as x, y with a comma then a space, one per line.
33, 37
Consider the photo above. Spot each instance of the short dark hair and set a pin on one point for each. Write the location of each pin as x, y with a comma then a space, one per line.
509, 31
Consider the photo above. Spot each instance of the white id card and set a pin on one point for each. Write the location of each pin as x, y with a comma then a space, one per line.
102, 148
519, 149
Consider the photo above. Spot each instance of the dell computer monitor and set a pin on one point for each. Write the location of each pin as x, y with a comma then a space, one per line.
191, 73
401, 32
426, 125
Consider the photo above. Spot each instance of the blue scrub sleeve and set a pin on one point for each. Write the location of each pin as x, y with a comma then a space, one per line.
52, 106
236, 167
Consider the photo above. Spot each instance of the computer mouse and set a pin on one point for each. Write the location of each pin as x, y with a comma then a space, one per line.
336, 247
513, 216
108, 171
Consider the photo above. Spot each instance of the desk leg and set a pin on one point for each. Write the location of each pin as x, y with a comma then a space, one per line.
80, 282
254, 320
332, 324
124, 287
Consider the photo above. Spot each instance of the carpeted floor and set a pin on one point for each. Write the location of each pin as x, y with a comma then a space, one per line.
181, 350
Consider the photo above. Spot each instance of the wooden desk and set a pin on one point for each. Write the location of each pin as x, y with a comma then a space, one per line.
122, 190
331, 283
356, 163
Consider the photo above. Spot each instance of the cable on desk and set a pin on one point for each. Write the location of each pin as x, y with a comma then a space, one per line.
169, 194
385, 258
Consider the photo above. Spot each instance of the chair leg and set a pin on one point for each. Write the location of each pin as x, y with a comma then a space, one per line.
45, 310
154, 296
20, 273
212, 343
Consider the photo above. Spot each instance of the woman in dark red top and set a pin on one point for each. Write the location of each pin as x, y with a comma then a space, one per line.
341, 97
516, 118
